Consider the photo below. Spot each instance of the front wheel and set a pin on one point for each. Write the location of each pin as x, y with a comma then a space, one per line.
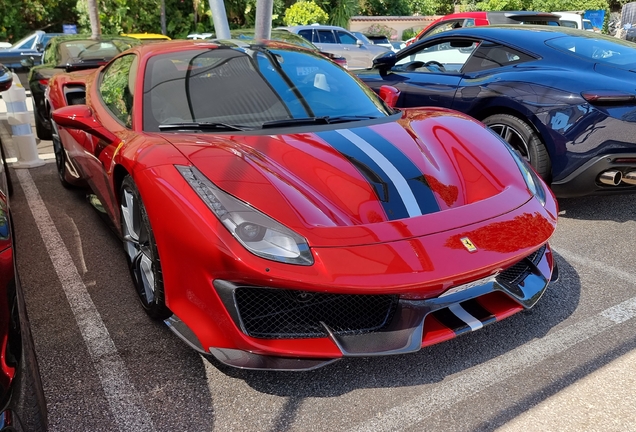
141, 251
60, 158
42, 127
523, 139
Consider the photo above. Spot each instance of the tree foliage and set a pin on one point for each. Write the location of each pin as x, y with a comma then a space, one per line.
541, 5
340, 11
385, 7
18, 18
432, 7
305, 12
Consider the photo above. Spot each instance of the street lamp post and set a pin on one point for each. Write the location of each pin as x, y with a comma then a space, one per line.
263, 28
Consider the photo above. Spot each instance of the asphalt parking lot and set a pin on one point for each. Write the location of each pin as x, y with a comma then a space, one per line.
566, 365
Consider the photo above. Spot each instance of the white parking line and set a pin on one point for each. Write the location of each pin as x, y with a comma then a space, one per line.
126, 407
507, 365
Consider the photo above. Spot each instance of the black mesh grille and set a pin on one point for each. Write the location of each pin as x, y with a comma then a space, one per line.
517, 272
274, 314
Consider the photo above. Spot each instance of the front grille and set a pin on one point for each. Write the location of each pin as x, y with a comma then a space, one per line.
519, 271
275, 313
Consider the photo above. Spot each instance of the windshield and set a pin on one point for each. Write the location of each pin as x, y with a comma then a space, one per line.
250, 87
597, 48
79, 50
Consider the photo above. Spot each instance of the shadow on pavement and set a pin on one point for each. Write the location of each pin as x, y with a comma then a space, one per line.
619, 208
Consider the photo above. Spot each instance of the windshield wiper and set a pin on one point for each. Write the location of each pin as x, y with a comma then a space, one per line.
348, 118
201, 126
314, 121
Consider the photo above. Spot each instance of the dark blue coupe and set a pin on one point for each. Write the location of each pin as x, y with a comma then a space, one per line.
564, 99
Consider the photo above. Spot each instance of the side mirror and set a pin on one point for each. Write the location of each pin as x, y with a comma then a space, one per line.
27, 62
390, 95
39, 47
385, 61
6, 78
81, 117
359, 43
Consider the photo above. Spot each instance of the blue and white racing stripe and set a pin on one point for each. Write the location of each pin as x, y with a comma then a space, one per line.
399, 184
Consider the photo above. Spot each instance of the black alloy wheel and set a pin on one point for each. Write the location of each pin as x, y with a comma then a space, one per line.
141, 251
524, 140
42, 127
60, 157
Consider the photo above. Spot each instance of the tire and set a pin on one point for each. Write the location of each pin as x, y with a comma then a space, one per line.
141, 251
9, 190
524, 140
60, 159
42, 130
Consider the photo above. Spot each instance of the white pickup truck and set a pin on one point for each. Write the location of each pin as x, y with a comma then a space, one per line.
575, 20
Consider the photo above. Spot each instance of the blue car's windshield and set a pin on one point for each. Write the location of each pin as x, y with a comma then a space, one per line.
251, 87
599, 49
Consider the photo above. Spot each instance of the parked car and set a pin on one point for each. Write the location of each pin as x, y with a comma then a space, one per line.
341, 42
379, 39
69, 53
480, 18
22, 402
382, 41
563, 98
397, 45
575, 20
147, 37
275, 227
285, 36
28, 48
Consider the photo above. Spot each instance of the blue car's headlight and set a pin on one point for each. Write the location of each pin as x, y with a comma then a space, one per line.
529, 175
257, 232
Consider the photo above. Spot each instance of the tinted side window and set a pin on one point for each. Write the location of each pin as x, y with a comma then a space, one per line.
326, 36
115, 91
346, 38
307, 34
490, 56
444, 56
50, 53
27, 44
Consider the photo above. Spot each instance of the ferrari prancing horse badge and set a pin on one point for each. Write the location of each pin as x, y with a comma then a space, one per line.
469, 245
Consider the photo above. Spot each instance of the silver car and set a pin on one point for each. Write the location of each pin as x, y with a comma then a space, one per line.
337, 40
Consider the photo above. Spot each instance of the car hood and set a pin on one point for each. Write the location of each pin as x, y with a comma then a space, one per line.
361, 183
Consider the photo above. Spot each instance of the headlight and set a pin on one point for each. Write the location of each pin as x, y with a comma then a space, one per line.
257, 232
532, 179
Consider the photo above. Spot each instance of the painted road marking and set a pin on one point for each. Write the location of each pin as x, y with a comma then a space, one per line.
507, 365
126, 407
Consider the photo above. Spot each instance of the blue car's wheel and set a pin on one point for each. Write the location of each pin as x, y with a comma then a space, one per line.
523, 139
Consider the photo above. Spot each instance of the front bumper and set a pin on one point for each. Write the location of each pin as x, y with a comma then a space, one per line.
412, 323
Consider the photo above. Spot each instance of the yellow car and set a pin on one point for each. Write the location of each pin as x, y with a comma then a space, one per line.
148, 37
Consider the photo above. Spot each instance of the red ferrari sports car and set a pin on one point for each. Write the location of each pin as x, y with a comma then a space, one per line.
277, 214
